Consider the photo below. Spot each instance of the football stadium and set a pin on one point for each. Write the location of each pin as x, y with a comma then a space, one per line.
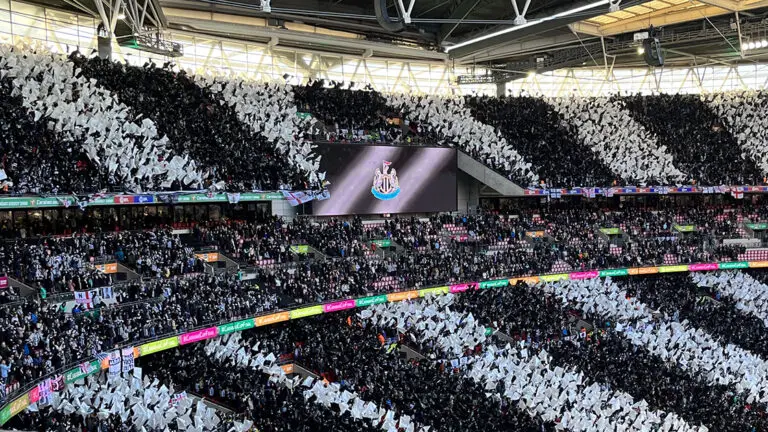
383, 215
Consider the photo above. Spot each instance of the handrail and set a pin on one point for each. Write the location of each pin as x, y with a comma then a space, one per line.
240, 323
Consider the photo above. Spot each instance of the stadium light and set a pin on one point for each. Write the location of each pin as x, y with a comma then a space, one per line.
529, 24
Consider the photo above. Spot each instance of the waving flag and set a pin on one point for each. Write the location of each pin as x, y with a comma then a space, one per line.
296, 198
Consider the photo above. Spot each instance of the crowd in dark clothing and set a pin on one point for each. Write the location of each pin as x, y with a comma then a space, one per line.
159, 128
178, 292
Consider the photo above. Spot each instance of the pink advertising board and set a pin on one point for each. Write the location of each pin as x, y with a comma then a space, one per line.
196, 336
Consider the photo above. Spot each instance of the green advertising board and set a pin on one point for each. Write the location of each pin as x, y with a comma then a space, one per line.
684, 228
382, 242
757, 226
610, 231
300, 249
614, 272
5, 415
373, 300
73, 375
157, 346
733, 265
494, 283
237, 326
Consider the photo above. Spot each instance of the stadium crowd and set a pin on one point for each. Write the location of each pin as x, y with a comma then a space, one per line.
127, 128
577, 355
593, 355
178, 291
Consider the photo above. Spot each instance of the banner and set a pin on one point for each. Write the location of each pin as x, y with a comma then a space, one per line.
499, 283
434, 291
463, 287
208, 257
19, 405
272, 318
553, 277
643, 270
373, 300
197, 336
584, 275
3, 282
57, 383
400, 296
535, 234
128, 359
338, 306
757, 226
34, 395
733, 265
684, 228
5, 415
108, 268
237, 326
382, 243
157, 346
614, 272
233, 198
702, 267
85, 298
673, 268
82, 371
44, 390
610, 231
300, 249
307, 311
530, 280
114, 363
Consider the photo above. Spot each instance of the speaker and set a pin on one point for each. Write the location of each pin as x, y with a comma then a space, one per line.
652, 54
105, 47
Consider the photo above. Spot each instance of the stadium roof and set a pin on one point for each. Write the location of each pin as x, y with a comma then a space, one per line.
549, 34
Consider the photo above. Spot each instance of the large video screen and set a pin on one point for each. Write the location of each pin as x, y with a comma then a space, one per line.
369, 179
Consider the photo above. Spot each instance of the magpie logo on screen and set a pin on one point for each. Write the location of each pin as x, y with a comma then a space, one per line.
386, 186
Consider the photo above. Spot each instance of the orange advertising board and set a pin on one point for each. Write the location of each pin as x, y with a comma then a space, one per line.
400, 296
272, 319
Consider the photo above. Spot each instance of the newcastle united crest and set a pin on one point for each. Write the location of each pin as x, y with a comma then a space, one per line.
385, 183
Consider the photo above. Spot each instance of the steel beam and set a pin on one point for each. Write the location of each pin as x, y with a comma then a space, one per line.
461, 11
661, 18
223, 24
521, 48
542, 22
585, 27
685, 12
730, 5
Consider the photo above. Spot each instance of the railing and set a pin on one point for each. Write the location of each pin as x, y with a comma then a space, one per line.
303, 311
